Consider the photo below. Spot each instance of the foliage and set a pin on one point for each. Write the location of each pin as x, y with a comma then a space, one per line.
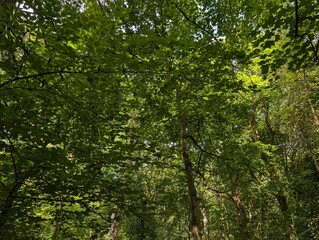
159, 119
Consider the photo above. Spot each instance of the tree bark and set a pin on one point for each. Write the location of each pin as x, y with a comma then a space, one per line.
235, 197
114, 227
193, 203
205, 223
203, 211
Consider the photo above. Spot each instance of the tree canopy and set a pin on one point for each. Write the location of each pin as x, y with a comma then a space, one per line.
162, 119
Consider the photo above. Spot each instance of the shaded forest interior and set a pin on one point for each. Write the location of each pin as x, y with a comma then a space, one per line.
159, 119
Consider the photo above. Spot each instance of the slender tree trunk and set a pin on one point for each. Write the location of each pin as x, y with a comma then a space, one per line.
114, 227
205, 223
290, 233
203, 210
280, 196
58, 211
316, 122
193, 203
314, 113
142, 232
244, 232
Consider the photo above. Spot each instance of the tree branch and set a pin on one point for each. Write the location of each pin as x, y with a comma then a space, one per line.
314, 49
297, 18
98, 71
100, 5
196, 24
13, 160
205, 151
1, 183
93, 211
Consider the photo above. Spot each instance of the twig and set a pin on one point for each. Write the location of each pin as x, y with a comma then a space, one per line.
196, 24
3, 184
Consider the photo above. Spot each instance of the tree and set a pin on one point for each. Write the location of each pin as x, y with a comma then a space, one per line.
158, 119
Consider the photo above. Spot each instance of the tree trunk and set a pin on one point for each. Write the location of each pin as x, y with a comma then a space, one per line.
314, 113
205, 223
244, 233
58, 211
203, 210
114, 227
280, 196
316, 122
193, 203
